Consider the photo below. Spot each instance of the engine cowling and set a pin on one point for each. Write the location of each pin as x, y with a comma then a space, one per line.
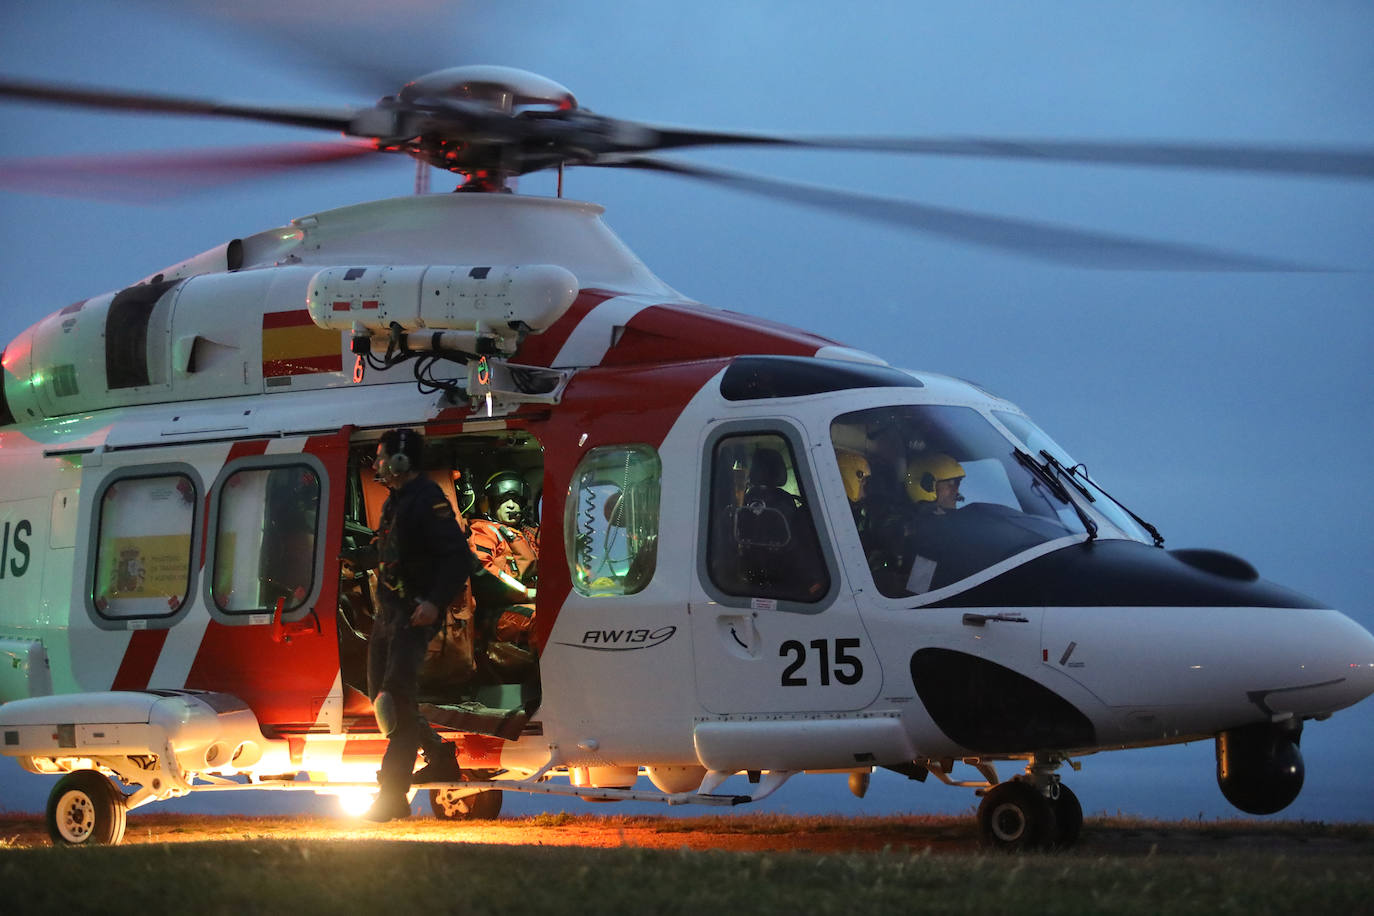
1259, 767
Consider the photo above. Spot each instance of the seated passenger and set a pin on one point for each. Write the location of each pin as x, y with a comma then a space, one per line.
507, 547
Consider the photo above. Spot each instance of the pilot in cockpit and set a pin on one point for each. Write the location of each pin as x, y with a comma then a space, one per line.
855, 472
933, 484
878, 517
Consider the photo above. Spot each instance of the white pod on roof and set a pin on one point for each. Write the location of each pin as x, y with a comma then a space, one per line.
441, 297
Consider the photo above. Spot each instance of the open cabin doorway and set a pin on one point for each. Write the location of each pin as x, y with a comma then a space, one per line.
481, 675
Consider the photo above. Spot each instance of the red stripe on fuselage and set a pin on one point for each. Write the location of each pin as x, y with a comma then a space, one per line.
298, 318
540, 349
479, 751
673, 333
140, 658
608, 405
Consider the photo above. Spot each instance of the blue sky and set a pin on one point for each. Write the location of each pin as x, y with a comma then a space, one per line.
1232, 410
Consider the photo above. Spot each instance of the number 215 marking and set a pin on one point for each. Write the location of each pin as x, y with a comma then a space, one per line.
848, 669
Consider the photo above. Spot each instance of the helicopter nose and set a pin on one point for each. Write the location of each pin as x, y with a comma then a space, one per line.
1339, 666
1360, 667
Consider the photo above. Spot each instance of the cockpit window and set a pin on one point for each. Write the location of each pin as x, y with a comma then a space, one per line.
937, 495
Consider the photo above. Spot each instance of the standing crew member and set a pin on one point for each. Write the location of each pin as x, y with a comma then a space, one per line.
424, 562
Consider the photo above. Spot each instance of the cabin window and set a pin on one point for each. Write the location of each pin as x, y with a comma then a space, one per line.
611, 520
265, 538
144, 546
762, 541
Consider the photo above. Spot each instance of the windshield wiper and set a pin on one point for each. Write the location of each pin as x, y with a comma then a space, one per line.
1056, 486
1077, 469
1067, 474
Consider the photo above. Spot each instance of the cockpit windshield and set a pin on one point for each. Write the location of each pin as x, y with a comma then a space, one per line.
1035, 440
938, 494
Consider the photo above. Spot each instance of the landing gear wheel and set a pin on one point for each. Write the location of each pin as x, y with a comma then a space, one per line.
1014, 816
449, 805
1068, 818
85, 809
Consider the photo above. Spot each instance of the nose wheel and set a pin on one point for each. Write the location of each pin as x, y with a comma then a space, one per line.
1015, 816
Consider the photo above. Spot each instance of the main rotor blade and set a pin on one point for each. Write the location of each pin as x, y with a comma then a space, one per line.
142, 177
85, 97
1042, 241
1344, 162
360, 48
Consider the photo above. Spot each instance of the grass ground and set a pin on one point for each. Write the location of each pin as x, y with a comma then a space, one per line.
652, 865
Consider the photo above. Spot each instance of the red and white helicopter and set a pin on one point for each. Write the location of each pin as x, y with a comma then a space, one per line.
762, 551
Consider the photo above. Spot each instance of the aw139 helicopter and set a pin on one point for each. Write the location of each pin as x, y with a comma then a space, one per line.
761, 551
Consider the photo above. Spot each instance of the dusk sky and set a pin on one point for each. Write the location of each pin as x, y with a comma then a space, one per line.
1234, 410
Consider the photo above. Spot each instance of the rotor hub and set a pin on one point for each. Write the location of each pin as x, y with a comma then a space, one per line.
495, 111
502, 89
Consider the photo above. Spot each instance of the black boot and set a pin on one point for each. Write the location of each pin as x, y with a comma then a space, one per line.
441, 765
388, 806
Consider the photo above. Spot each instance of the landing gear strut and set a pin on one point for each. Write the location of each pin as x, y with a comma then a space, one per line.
86, 809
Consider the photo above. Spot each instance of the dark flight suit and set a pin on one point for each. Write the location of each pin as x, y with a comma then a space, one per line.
423, 554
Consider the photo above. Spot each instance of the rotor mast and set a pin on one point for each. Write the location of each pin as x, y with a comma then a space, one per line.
487, 99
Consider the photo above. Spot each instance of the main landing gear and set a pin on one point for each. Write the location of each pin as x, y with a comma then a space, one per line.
456, 805
1031, 811
86, 809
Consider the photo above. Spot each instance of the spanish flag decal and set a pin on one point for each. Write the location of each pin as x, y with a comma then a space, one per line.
292, 344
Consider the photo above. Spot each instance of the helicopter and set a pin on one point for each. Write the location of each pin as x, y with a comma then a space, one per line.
722, 588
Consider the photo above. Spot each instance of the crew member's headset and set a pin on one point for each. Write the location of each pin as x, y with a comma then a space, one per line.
398, 462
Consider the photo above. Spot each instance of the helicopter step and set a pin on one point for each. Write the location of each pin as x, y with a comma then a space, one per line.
531, 786
590, 793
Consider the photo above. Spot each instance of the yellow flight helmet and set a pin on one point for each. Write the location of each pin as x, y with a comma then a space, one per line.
854, 470
921, 476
